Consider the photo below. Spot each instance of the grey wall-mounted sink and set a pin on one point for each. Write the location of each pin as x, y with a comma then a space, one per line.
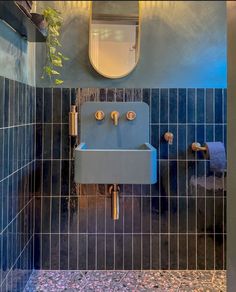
115, 166
110, 154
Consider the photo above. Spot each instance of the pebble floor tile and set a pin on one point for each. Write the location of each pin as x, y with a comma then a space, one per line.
204, 281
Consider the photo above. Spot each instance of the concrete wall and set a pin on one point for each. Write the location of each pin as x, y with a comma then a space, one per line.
17, 56
183, 44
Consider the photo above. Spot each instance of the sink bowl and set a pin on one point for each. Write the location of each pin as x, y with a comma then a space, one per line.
136, 165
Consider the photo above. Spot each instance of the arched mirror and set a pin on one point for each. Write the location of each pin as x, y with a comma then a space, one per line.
114, 37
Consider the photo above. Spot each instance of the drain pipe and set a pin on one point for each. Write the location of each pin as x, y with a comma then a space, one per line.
115, 205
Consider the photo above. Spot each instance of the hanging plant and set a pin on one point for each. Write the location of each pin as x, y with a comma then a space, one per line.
55, 58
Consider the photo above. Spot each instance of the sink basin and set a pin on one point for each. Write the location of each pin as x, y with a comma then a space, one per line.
115, 166
115, 154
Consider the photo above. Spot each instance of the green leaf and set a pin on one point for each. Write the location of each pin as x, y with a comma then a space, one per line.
57, 63
54, 72
58, 81
63, 57
52, 50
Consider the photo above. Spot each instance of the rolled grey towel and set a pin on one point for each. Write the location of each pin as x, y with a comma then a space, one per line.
216, 154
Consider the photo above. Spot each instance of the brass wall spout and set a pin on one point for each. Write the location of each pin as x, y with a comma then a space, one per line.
115, 204
115, 117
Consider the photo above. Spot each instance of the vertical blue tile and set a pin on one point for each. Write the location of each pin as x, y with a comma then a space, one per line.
6, 151
20, 103
200, 106
137, 252
191, 101
146, 220
219, 133
225, 106
209, 133
65, 105
218, 106
155, 136
110, 252
119, 94
155, 214
46, 178
155, 255
16, 103
6, 103
56, 175
129, 94
182, 135
91, 252
173, 252
154, 104
128, 252
2, 99
191, 137
64, 228
164, 105
111, 94
146, 257
1, 154
64, 178
163, 144
73, 92
164, 214
173, 178
101, 252
173, 147
56, 151
47, 101
47, 143
10, 150
73, 251
57, 105
182, 252
39, 105
209, 106
173, 105
102, 94
173, 215
210, 251
182, 105
11, 102
164, 252
219, 252
146, 95
45, 264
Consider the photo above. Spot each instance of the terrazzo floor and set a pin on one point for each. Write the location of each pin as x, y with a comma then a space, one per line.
127, 281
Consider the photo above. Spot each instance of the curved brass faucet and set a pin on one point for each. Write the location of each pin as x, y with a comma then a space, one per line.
115, 117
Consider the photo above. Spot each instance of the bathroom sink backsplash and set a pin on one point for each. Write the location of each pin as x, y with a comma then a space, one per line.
178, 223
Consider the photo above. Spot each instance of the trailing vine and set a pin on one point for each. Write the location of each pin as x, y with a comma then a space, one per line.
55, 58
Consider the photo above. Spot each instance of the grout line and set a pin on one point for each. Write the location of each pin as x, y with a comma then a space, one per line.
13, 265
9, 223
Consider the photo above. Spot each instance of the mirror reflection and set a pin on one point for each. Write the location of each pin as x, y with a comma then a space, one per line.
114, 37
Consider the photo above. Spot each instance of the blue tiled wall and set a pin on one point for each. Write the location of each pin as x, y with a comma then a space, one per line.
17, 163
178, 223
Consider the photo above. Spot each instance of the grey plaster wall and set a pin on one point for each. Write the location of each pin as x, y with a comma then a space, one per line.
17, 56
183, 44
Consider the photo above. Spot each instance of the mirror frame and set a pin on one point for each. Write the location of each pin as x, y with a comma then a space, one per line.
138, 43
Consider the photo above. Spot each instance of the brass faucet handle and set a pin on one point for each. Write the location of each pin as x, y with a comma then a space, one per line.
115, 116
169, 137
99, 115
131, 115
